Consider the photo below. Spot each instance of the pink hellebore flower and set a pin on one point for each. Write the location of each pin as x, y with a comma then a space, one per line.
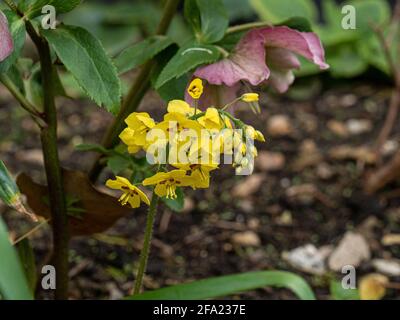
6, 43
266, 55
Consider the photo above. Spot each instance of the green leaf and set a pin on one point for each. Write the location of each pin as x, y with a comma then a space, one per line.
185, 60
208, 18
35, 87
87, 147
228, 285
376, 12
176, 204
83, 55
33, 8
9, 191
275, 11
118, 163
297, 23
371, 50
141, 52
18, 33
345, 61
27, 258
239, 10
340, 293
174, 89
15, 76
13, 284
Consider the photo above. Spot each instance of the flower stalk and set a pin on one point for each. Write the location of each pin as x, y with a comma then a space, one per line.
48, 136
145, 253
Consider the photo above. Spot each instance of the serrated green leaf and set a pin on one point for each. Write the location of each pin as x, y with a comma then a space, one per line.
176, 204
275, 11
228, 285
185, 60
13, 284
141, 52
208, 18
84, 56
33, 8
18, 33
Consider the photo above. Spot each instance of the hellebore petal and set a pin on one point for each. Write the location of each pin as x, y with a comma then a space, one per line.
266, 54
247, 62
6, 42
306, 44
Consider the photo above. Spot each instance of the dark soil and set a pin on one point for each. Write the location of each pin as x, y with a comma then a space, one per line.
198, 243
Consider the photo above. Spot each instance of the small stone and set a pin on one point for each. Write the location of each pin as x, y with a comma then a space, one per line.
33, 156
389, 267
270, 161
390, 147
391, 239
253, 223
348, 100
246, 205
188, 205
248, 186
324, 171
346, 152
338, 128
359, 126
352, 250
309, 156
307, 258
285, 219
279, 126
247, 239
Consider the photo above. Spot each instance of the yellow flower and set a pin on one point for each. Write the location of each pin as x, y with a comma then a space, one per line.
254, 134
140, 121
167, 182
200, 173
135, 135
196, 88
250, 97
132, 194
182, 107
212, 120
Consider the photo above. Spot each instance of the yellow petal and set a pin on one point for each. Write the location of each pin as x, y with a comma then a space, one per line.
143, 196
196, 88
134, 201
160, 190
179, 106
250, 97
157, 178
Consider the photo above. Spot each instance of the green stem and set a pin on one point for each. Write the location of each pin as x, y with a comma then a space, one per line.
144, 255
136, 93
247, 26
25, 104
52, 165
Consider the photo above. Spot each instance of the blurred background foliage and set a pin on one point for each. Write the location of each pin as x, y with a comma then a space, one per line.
350, 53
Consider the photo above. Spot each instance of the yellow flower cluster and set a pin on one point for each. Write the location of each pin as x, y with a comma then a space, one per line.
186, 146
